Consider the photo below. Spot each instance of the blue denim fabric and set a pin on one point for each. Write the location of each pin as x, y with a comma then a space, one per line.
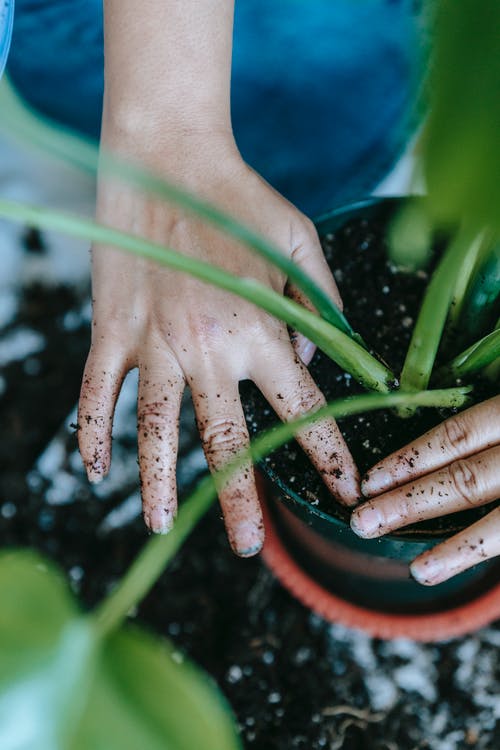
6, 21
320, 88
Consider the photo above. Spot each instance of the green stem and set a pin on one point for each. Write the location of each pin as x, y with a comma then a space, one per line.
475, 358
151, 561
478, 248
134, 175
153, 558
428, 329
337, 345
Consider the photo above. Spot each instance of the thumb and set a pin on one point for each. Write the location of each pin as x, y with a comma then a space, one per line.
308, 255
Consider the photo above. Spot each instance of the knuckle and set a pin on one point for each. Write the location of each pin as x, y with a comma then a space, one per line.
465, 481
456, 434
303, 400
152, 414
223, 436
309, 231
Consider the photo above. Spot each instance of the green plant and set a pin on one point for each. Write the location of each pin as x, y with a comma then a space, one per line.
75, 676
104, 652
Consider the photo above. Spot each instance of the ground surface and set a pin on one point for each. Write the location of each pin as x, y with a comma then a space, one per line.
293, 680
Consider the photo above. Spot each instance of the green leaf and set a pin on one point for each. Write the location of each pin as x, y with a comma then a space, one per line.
144, 698
480, 355
481, 305
410, 236
46, 655
63, 687
433, 313
461, 153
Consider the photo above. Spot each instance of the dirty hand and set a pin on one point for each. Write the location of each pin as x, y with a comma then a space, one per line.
178, 330
451, 468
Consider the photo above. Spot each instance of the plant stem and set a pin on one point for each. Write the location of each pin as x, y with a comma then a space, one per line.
327, 309
475, 358
155, 555
337, 345
152, 559
428, 329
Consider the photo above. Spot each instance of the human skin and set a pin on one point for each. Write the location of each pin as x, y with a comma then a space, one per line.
166, 107
451, 468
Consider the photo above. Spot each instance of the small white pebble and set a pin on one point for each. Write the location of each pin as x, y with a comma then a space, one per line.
8, 510
234, 674
268, 657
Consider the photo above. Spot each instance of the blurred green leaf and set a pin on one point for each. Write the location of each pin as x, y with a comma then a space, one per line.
461, 145
62, 687
46, 655
410, 236
481, 305
144, 697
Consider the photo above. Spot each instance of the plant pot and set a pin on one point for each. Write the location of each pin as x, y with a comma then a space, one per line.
310, 545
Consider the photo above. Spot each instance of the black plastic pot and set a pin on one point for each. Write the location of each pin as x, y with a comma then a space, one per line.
371, 575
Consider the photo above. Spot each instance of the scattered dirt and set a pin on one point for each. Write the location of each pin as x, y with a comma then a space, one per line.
381, 303
293, 681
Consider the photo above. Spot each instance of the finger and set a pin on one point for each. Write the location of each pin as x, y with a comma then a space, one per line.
224, 434
102, 379
294, 393
161, 385
478, 543
308, 255
302, 346
463, 484
458, 437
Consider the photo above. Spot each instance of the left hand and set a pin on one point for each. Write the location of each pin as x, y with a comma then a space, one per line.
451, 468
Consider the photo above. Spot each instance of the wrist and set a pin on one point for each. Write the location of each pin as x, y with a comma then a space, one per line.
190, 153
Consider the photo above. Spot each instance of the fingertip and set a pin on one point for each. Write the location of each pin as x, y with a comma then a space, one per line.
347, 487
96, 468
351, 498
376, 481
246, 538
428, 570
94, 477
367, 522
159, 520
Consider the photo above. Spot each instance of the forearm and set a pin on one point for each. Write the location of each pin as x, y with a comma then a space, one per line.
168, 65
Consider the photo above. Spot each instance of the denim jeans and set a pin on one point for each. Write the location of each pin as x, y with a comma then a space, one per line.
321, 89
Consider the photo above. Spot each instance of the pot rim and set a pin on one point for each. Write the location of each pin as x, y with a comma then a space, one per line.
326, 223
423, 627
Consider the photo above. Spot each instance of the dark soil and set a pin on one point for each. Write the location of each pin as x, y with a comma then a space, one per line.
293, 681
381, 303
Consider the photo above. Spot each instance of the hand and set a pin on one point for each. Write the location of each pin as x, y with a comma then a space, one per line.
451, 468
178, 330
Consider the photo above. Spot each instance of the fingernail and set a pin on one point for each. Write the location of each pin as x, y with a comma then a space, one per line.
307, 351
160, 520
95, 473
376, 481
428, 571
247, 539
367, 521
